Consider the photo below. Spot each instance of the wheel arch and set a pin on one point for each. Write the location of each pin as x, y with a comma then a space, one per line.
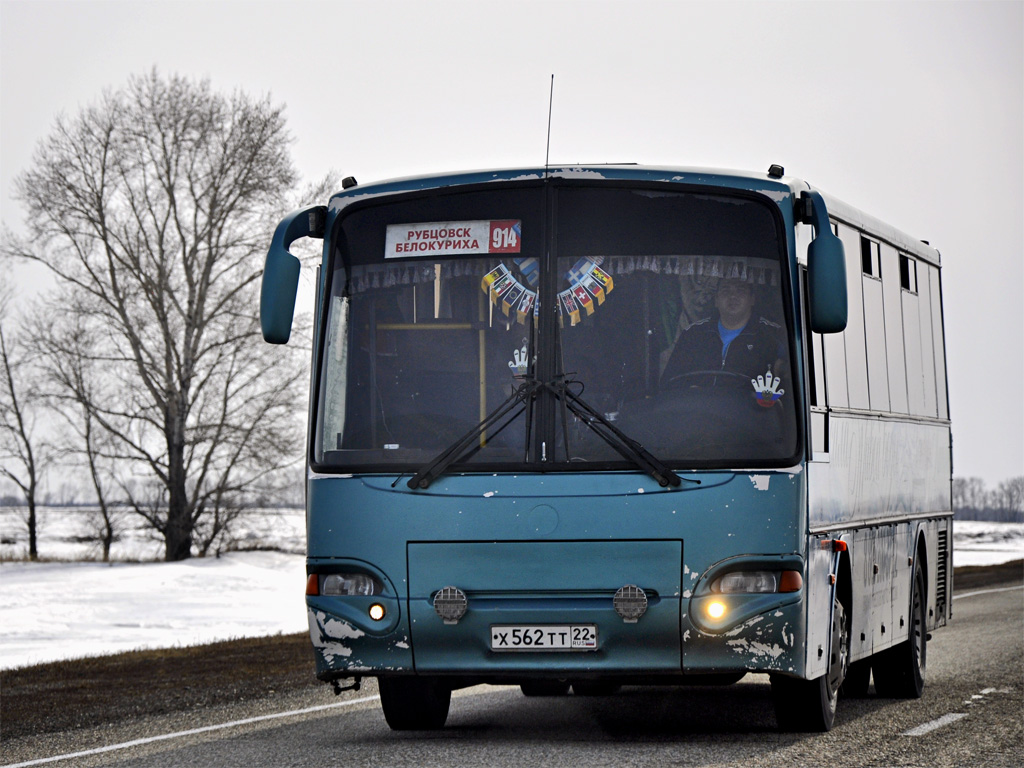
921, 557
844, 585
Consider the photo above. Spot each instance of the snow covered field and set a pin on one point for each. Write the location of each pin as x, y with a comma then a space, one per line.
66, 609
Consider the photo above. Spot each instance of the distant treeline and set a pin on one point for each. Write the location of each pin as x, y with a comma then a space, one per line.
972, 500
990, 515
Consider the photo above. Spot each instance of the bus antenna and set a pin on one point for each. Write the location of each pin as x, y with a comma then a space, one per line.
547, 151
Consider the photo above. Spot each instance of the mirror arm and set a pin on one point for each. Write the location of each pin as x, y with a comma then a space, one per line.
811, 210
281, 271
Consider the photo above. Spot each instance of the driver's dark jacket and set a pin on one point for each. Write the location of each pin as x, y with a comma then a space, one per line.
699, 348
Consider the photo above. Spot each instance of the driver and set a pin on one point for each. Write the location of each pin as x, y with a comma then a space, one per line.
732, 341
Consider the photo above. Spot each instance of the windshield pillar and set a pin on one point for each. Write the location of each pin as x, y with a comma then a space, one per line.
546, 342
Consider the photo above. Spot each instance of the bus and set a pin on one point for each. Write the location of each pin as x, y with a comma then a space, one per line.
578, 428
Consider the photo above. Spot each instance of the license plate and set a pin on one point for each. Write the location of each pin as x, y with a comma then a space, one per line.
544, 637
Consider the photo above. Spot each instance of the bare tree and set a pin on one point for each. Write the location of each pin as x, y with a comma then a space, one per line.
19, 405
153, 208
1009, 496
969, 493
74, 377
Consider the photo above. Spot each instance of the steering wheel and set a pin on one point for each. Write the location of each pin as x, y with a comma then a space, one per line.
677, 379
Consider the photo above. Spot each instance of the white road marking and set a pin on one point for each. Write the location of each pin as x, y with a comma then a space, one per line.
222, 726
952, 717
921, 730
193, 731
986, 591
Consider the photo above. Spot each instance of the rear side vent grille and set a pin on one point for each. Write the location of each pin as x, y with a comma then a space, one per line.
942, 573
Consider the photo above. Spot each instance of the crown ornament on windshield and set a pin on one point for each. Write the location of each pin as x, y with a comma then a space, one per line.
767, 389
520, 360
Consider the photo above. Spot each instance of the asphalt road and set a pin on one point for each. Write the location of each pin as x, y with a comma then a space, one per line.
972, 714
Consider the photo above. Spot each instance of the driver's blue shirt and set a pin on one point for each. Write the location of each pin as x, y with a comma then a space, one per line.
727, 336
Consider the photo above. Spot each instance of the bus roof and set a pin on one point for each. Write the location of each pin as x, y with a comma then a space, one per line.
624, 171
774, 186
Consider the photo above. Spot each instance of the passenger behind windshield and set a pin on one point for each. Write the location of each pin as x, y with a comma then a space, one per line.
733, 346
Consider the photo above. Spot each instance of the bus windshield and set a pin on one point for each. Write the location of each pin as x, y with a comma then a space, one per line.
666, 321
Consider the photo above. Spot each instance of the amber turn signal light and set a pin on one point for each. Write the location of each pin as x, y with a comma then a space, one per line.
791, 581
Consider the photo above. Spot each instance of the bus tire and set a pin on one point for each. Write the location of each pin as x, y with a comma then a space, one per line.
414, 703
810, 705
899, 671
544, 687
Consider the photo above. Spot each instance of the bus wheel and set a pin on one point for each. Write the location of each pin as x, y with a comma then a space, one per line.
899, 671
595, 687
810, 705
414, 703
544, 687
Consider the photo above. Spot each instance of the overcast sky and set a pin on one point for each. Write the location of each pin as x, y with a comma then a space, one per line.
910, 111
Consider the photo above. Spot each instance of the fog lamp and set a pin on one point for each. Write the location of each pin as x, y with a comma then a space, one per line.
450, 604
377, 612
716, 609
630, 602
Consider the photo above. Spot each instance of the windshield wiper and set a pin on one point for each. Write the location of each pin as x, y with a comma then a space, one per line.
626, 446
521, 396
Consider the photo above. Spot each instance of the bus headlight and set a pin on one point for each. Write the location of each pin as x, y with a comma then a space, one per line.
745, 581
344, 584
754, 582
716, 609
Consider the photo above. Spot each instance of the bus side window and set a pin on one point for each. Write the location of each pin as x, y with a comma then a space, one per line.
938, 341
874, 330
922, 326
919, 326
856, 349
927, 349
912, 343
834, 344
819, 406
818, 392
891, 293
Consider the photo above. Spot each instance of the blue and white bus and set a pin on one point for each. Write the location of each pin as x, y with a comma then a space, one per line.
583, 427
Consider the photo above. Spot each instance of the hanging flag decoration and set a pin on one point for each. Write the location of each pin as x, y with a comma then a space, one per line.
584, 298
512, 297
506, 292
526, 305
499, 271
588, 287
567, 306
602, 281
529, 266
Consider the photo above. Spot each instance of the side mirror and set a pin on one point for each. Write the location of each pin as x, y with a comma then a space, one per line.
281, 272
826, 272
